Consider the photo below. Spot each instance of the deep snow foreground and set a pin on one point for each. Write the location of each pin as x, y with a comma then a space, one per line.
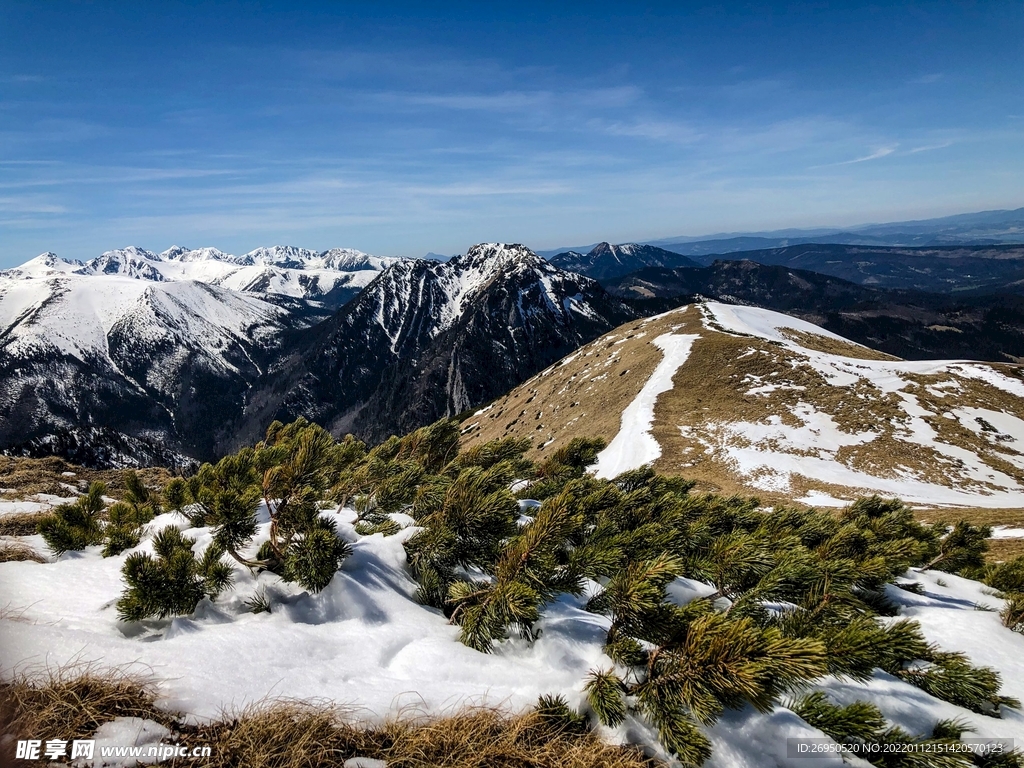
366, 644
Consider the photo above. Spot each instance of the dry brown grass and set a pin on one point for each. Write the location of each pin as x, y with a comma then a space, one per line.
584, 395
1001, 550
277, 735
74, 701
1012, 518
820, 343
27, 477
20, 523
713, 388
15, 551
295, 734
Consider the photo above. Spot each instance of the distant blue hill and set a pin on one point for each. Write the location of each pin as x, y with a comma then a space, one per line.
981, 228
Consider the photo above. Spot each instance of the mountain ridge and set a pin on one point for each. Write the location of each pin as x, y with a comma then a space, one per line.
749, 401
910, 324
330, 277
478, 323
988, 227
605, 261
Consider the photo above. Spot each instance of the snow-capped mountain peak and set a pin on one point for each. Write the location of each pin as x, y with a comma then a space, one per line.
496, 257
349, 259
131, 261
427, 339
44, 265
287, 256
180, 253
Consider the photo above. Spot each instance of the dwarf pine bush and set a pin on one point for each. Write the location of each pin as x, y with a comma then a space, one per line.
861, 724
792, 595
289, 475
126, 518
1013, 614
78, 525
75, 526
173, 581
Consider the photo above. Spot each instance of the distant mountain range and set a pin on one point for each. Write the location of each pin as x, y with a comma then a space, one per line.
605, 260
982, 228
910, 324
142, 357
329, 277
946, 269
154, 354
164, 361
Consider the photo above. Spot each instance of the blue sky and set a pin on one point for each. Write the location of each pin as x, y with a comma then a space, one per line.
399, 129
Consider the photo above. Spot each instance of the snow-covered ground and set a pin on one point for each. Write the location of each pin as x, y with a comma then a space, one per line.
365, 643
37, 502
771, 452
1005, 532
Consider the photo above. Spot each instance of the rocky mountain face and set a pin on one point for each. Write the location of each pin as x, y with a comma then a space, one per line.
167, 363
426, 340
605, 261
132, 358
915, 325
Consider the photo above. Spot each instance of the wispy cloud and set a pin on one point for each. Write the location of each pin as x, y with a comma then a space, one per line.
29, 205
929, 147
514, 100
72, 175
878, 153
655, 128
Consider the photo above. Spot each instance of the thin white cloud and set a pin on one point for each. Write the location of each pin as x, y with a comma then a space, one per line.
930, 147
878, 153
658, 129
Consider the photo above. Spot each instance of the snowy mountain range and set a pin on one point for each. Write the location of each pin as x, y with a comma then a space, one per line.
156, 349
330, 277
196, 350
156, 359
427, 340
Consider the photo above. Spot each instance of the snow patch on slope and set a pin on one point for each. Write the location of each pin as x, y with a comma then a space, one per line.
770, 453
634, 446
